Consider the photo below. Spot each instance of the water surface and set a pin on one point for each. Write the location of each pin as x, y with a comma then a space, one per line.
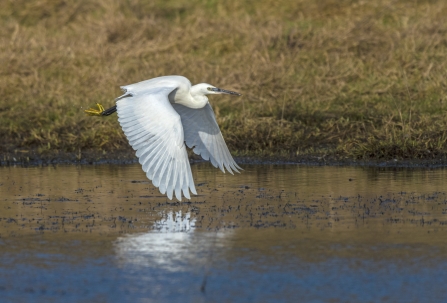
272, 234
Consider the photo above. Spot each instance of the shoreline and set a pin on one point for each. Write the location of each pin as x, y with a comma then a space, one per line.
123, 157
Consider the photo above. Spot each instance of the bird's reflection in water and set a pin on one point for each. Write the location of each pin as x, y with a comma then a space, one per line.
175, 222
171, 246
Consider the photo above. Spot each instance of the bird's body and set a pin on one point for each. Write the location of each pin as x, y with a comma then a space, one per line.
158, 116
183, 93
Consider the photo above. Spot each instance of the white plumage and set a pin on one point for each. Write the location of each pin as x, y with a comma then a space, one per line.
158, 116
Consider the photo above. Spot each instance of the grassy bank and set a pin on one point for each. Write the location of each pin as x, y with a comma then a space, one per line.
356, 79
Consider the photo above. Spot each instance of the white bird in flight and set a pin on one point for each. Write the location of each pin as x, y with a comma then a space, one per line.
158, 116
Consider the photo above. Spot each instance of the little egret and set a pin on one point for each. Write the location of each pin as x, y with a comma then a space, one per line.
158, 116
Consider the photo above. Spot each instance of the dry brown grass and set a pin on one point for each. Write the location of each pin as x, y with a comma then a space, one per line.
362, 79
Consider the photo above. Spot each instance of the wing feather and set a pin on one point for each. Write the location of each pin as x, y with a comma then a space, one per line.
202, 133
154, 129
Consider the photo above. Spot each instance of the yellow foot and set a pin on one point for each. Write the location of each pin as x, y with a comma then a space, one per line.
95, 112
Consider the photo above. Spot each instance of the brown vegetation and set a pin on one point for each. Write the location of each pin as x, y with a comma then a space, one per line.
358, 79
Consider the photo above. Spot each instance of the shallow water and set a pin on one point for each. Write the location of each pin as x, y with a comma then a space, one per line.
272, 234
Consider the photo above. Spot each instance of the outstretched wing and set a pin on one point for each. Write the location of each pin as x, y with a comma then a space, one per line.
154, 129
202, 132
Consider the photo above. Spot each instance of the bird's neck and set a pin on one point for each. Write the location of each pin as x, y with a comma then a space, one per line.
199, 101
191, 98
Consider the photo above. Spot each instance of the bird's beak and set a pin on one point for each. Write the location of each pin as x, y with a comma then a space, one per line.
224, 91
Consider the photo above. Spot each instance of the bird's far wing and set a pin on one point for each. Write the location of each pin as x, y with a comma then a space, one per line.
154, 129
202, 132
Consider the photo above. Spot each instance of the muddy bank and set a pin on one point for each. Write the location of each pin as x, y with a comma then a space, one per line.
118, 198
127, 156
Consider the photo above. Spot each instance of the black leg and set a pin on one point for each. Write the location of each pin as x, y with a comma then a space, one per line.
109, 111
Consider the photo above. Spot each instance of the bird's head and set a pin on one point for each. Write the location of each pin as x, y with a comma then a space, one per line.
208, 89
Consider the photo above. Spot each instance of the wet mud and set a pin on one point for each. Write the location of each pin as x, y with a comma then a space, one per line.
273, 233
25, 158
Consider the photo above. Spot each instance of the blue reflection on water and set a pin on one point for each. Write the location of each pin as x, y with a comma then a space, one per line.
156, 273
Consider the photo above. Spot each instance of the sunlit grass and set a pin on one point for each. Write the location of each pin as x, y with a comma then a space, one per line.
358, 79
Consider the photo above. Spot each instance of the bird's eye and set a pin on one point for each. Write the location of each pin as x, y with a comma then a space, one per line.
209, 88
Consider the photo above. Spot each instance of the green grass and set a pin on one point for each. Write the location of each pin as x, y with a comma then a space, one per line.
356, 79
